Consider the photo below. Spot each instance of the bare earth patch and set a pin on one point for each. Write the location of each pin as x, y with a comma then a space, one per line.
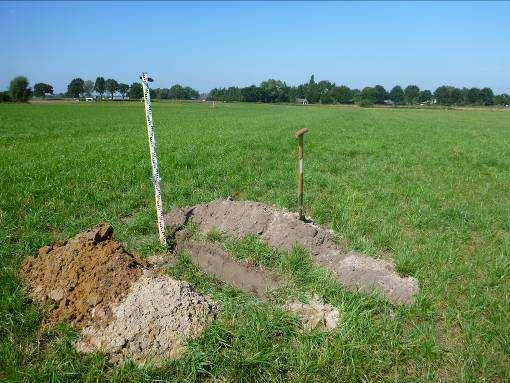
122, 307
283, 230
82, 277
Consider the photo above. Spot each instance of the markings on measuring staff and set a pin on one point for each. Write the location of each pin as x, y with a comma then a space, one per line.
156, 179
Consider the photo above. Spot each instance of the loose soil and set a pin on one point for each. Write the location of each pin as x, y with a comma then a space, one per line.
283, 230
153, 322
315, 314
122, 307
82, 278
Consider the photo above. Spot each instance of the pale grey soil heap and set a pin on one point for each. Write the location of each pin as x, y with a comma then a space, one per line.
283, 230
153, 322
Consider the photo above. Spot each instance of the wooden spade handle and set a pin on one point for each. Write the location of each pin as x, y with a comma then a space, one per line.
301, 132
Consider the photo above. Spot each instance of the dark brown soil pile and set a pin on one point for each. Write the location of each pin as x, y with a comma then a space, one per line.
82, 277
283, 230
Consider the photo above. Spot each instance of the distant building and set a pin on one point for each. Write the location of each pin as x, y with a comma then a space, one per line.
302, 101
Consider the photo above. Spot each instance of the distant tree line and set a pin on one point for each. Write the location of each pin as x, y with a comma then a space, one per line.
270, 91
326, 92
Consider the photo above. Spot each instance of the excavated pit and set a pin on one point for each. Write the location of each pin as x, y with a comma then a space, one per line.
283, 230
212, 259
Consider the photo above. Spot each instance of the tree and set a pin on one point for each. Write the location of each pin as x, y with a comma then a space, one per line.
75, 87
502, 99
250, 94
176, 92
324, 88
19, 90
380, 94
88, 87
111, 86
397, 95
368, 96
123, 89
274, 91
135, 91
5, 97
473, 96
342, 94
41, 89
486, 96
311, 90
448, 95
425, 96
411, 93
192, 94
100, 86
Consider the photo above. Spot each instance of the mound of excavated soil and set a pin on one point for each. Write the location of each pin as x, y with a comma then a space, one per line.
154, 321
122, 308
284, 230
82, 277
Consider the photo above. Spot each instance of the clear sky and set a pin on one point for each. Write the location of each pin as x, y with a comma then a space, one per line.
213, 44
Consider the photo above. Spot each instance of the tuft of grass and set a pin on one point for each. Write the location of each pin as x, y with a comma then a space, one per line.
429, 187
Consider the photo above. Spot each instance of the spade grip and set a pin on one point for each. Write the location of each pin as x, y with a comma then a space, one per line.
301, 132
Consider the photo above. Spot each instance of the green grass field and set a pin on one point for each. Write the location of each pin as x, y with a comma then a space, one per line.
429, 187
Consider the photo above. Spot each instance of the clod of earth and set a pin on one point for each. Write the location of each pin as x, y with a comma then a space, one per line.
122, 307
315, 314
283, 230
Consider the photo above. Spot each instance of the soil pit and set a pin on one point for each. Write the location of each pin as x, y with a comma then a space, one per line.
283, 230
122, 307
212, 259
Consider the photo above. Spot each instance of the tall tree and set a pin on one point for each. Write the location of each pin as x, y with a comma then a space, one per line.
448, 95
425, 96
135, 91
41, 89
411, 93
397, 95
502, 99
19, 90
486, 96
111, 86
342, 94
75, 87
312, 91
368, 95
88, 87
123, 89
100, 86
380, 94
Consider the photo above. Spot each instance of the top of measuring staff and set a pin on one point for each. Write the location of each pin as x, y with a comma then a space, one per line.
148, 78
300, 132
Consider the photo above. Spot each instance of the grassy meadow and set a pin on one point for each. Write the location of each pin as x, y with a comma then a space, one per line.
428, 187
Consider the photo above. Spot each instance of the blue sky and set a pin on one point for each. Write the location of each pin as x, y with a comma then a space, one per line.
213, 44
